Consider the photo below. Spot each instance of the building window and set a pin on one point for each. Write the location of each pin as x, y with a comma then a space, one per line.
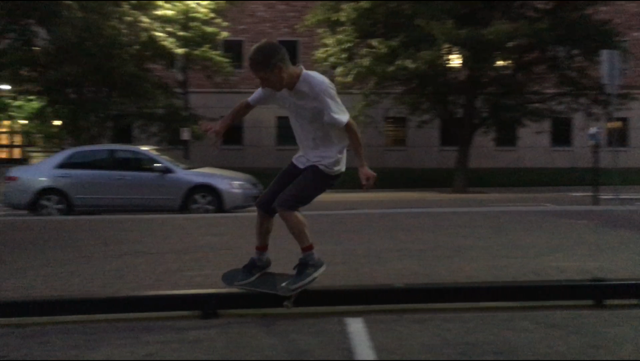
561, 132
292, 49
618, 133
11, 142
506, 135
285, 136
234, 136
233, 50
395, 131
627, 60
449, 134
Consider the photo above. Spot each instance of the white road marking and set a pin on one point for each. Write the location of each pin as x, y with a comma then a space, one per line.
341, 212
522, 204
620, 197
608, 195
361, 344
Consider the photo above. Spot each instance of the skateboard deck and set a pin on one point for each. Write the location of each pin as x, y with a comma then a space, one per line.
269, 282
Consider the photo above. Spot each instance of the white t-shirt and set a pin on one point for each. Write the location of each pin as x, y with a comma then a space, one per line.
317, 117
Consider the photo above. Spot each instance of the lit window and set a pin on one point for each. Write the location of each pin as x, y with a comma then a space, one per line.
618, 133
395, 131
452, 56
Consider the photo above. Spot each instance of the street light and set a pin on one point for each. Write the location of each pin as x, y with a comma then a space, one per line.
5, 87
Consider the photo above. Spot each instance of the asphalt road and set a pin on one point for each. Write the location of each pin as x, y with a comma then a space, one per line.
122, 254
569, 335
365, 239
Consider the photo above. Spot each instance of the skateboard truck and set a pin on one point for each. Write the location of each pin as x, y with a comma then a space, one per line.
289, 302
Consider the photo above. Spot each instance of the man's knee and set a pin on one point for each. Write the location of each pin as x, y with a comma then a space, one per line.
285, 204
264, 209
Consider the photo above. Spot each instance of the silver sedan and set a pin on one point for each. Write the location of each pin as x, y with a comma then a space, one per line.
124, 178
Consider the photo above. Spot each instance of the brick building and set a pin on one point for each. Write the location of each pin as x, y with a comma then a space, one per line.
264, 139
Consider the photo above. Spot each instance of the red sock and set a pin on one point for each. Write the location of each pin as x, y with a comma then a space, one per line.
307, 249
261, 252
262, 249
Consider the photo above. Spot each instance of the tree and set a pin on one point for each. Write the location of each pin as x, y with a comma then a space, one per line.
472, 65
95, 63
39, 124
190, 31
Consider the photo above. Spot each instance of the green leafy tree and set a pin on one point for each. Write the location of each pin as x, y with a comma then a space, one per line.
95, 63
472, 65
191, 32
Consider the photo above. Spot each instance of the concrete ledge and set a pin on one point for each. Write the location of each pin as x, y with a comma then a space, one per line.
210, 302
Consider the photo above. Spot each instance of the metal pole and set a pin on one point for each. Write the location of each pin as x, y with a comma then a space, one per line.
617, 143
596, 174
187, 154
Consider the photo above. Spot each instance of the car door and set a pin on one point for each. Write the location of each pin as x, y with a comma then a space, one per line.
141, 186
86, 176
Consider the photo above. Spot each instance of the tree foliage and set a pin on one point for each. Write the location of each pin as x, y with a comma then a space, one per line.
470, 64
95, 63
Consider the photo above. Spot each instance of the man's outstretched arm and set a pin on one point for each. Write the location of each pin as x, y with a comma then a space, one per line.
367, 176
218, 128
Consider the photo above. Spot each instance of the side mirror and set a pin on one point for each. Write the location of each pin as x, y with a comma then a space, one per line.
160, 168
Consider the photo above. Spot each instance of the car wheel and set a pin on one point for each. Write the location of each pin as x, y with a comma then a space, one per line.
51, 203
202, 201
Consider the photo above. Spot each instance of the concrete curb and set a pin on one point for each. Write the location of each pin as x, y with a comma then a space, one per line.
214, 303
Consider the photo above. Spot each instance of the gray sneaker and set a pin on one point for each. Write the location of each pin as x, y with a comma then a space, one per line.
306, 272
252, 270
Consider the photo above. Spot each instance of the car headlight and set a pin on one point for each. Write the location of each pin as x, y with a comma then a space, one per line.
241, 185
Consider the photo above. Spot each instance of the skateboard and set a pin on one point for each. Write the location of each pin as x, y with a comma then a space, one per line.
268, 282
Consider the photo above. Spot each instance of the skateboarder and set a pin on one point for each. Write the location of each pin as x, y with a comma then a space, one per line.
323, 129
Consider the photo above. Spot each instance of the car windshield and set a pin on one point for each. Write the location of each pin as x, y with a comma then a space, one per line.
170, 160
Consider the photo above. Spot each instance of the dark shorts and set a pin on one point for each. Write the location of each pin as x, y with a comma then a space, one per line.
295, 188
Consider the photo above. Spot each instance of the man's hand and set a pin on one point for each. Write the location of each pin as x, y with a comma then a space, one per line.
367, 177
215, 130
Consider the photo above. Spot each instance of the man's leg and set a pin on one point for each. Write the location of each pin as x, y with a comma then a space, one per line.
312, 183
261, 263
264, 226
266, 203
297, 226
